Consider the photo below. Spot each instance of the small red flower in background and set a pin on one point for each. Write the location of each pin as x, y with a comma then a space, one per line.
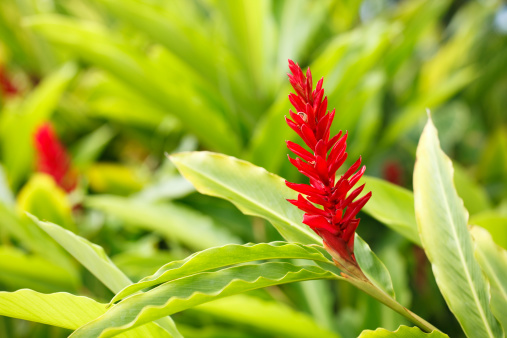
335, 220
52, 158
7, 87
393, 172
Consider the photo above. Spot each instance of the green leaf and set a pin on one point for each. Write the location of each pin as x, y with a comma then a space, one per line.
252, 189
90, 255
140, 73
57, 309
372, 266
495, 222
493, 261
32, 238
271, 317
230, 254
21, 270
189, 42
174, 221
260, 193
186, 292
393, 206
17, 127
62, 310
402, 332
42, 197
442, 222
474, 196
93, 257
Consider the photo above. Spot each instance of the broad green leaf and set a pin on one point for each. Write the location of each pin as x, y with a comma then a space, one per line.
393, 206
442, 222
230, 254
252, 189
140, 73
176, 295
21, 270
62, 310
174, 221
493, 261
17, 127
260, 193
57, 309
93, 257
401, 332
42, 197
271, 317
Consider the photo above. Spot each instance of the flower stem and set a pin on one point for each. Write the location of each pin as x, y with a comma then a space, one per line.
390, 302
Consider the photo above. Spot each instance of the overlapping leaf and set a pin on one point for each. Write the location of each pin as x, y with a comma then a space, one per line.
186, 292
214, 258
63, 310
260, 193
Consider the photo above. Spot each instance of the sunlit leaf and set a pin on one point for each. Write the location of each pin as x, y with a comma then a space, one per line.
227, 255
442, 222
176, 295
493, 261
401, 332
62, 310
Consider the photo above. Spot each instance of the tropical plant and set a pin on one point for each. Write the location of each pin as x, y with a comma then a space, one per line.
103, 235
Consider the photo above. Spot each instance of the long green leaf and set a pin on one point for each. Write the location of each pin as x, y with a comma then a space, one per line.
140, 73
252, 189
97, 262
174, 221
402, 332
62, 310
442, 222
90, 255
493, 261
231, 254
183, 293
57, 309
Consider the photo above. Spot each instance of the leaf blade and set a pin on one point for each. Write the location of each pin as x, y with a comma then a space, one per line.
176, 295
442, 223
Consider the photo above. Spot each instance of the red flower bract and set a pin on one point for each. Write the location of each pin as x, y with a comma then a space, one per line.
330, 208
53, 159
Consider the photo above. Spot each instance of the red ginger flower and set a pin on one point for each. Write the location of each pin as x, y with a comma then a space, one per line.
335, 221
53, 158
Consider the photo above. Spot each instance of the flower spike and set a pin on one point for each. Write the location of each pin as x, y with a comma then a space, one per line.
329, 204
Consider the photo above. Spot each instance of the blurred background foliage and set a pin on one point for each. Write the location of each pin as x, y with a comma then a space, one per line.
125, 82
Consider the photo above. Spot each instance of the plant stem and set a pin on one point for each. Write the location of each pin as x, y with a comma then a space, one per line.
387, 300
